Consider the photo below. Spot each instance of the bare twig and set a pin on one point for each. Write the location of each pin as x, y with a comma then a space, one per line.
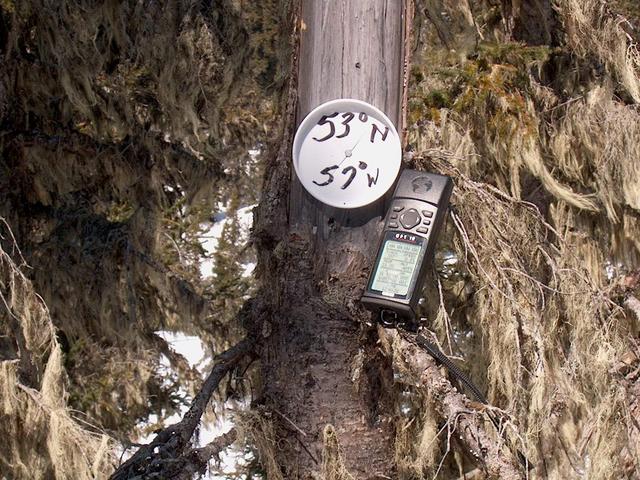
298, 429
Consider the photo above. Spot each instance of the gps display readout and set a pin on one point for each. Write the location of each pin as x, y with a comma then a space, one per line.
395, 269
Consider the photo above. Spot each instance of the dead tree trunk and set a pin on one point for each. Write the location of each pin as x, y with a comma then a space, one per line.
320, 364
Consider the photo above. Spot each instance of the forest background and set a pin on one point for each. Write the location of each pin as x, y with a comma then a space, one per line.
126, 129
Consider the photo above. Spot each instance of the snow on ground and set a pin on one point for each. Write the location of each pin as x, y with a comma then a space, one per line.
230, 458
248, 268
192, 348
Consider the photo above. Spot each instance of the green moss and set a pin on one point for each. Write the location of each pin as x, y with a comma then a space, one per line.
416, 74
438, 99
119, 212
493, 79
416, 110
512, 61
516, 54
490, 17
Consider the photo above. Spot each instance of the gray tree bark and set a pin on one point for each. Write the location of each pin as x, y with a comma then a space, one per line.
320, 364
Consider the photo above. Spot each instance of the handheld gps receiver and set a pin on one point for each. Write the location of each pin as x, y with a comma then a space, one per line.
414, 219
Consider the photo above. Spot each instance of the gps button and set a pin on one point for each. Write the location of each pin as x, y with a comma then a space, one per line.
410, 218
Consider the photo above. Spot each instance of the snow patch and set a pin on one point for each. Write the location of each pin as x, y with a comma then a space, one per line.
193, 350
189, 346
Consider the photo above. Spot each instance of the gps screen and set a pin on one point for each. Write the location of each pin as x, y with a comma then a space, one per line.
395, 268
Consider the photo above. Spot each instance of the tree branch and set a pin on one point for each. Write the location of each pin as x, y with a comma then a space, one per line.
168, 447
195, 461
492, 454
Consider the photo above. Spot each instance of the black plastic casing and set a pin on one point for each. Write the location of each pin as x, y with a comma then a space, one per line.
427, 194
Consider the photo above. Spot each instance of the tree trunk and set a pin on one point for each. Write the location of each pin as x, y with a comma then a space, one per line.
320, 363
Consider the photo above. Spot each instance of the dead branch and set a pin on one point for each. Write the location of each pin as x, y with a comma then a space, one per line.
197, 459
170, 447
469, 423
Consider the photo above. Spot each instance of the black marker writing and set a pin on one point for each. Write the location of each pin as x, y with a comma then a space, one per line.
374, 129
350, 179
348, 116
325, 120
325, 171
371, 180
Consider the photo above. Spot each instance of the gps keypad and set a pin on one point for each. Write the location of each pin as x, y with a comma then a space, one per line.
409, 215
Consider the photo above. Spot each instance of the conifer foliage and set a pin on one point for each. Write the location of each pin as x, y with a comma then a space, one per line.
122, 126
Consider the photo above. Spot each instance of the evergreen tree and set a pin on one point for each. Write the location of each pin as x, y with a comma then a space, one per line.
229, 287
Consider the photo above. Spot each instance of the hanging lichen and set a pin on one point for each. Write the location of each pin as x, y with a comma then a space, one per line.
542, 139
122, 127
41, 439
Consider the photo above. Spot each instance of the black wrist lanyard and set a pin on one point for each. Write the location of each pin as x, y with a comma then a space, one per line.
389, 319
440, 357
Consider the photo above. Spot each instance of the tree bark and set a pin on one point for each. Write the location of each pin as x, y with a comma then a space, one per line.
320, 364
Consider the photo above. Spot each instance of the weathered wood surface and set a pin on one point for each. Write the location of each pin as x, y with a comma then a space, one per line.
349, 49
320, 365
